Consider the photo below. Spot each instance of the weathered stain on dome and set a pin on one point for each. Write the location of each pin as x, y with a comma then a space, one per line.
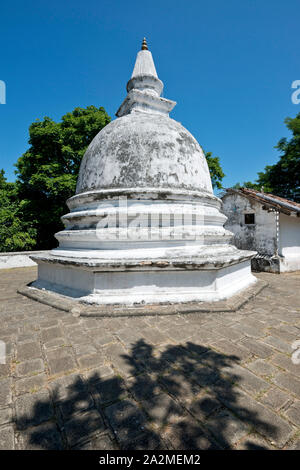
150, 148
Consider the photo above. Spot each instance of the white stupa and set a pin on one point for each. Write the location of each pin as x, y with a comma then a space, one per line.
144, 225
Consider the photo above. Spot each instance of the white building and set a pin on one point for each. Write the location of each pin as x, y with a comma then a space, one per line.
267, 224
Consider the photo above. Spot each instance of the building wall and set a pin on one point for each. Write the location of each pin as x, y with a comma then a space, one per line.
289, 242
18, 259
261, 236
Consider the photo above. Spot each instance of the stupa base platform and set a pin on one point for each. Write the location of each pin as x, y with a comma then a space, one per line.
129, 281
78, 308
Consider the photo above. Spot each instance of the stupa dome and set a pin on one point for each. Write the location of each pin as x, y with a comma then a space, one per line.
152, 149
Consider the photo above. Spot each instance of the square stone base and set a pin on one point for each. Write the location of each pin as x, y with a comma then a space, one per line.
142, 286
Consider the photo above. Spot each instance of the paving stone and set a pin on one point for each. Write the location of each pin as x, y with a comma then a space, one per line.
85, 349
48, 323
59, 352
249, 330
32, 410
80, 401
5, 392
55, 343
287, 381
143, 386
257, 347
146, 441
83, 427
286, 363
229, 333
4, 370
153, 335
293, 413
70, 320
294, 445
275, 398
51, 333
187, 435
62, 365
261, 367
92, 323
5, 415
102, 442
121, 360
286, 336
30, 350
277, 430
30, 367
254, 442
203, 376
27, 337
103, 340
254, 323
30, 384
109, 390
43, 437
128, 336
241, 353
204, 406
7, 438
126, 420
277, 343
78, 337
162, 409
91, 361
178, 333
293, 330
67, 387
99, 332
176, 384
226, 428
98, 374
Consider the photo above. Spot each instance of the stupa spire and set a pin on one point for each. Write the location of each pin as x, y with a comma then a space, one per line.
144, 64
144, 45
144, 88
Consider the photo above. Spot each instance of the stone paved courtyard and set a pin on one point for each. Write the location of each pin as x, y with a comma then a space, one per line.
189, 381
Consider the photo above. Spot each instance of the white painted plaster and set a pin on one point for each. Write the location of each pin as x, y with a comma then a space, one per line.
129, 287
289, 242
261, 236
17, 259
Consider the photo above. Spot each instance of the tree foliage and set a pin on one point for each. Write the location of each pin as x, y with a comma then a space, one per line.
16, 234
48, 170
283, 178
216, 172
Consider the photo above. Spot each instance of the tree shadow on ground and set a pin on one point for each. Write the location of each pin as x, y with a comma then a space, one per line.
180, 397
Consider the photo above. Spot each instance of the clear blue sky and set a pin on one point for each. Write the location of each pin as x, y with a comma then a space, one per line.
228, 64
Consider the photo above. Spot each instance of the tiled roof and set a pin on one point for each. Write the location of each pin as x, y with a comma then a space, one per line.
269, 200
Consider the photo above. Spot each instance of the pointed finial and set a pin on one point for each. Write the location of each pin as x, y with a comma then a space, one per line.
144, 45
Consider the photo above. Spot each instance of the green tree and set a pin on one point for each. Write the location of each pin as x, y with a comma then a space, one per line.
216, 172
48, 170
15, 233
283, 178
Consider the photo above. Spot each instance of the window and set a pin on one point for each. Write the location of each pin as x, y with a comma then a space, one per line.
249, 219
